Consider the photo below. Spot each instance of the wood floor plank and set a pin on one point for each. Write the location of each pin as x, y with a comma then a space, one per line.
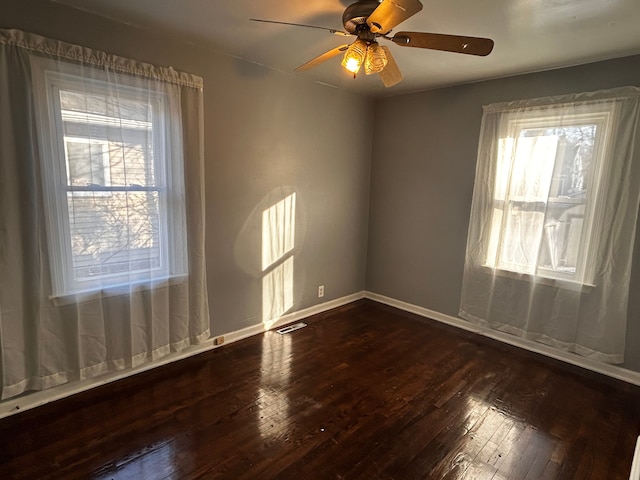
364, 392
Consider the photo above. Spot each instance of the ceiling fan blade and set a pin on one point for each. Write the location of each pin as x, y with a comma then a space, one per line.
335, 32
322, 58
391, 73
391, 13
448, 43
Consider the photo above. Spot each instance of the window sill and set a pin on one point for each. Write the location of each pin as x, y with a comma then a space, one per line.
560, 283
123, 289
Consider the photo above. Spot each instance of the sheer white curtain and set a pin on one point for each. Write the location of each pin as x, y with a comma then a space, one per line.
553, 221
102, 262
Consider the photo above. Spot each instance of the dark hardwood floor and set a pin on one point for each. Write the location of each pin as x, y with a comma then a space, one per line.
364, 392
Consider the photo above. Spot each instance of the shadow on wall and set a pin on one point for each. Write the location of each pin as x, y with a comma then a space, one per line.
266, 248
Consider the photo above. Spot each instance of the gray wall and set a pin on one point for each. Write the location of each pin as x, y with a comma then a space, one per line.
423, 169
267, 134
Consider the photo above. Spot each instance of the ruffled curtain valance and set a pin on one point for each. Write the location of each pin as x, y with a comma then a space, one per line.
76, 53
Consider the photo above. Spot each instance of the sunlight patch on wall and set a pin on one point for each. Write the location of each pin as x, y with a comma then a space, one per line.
278, 242
277, 292
278, 230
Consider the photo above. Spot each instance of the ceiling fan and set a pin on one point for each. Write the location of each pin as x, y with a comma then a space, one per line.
370, 20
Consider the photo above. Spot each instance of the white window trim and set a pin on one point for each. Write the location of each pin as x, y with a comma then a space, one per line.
45, 75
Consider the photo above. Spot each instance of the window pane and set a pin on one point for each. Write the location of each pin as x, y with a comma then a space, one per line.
563, 234
531, 173
574, 158
533, 168
521, 239
122, 127
88, 163
131, 161
114, 234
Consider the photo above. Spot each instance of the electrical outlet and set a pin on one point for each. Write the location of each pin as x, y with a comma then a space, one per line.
321, 291
218, 340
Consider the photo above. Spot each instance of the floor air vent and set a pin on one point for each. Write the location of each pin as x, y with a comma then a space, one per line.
291, 328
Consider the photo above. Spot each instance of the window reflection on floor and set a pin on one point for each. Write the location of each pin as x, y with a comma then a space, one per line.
275, 372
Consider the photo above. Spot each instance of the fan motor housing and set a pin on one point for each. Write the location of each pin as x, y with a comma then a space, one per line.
357, 13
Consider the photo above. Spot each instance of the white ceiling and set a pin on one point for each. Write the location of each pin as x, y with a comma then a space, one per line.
529, 35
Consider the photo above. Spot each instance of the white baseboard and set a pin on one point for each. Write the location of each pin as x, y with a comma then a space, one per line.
603, 368
290, 318
20, 404
35, 399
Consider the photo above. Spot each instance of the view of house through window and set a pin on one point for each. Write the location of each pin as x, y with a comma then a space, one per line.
546, 188
88, 161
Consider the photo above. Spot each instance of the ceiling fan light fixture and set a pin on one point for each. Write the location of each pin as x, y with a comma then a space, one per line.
355, 56
375, 59
369, 20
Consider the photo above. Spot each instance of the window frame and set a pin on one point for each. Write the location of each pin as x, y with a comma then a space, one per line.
49, 78
510, 126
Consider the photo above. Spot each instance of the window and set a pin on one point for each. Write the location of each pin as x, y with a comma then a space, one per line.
548, 169
111, 172
553, 220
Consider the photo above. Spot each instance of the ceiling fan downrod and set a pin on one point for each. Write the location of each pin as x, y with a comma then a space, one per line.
356, 14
